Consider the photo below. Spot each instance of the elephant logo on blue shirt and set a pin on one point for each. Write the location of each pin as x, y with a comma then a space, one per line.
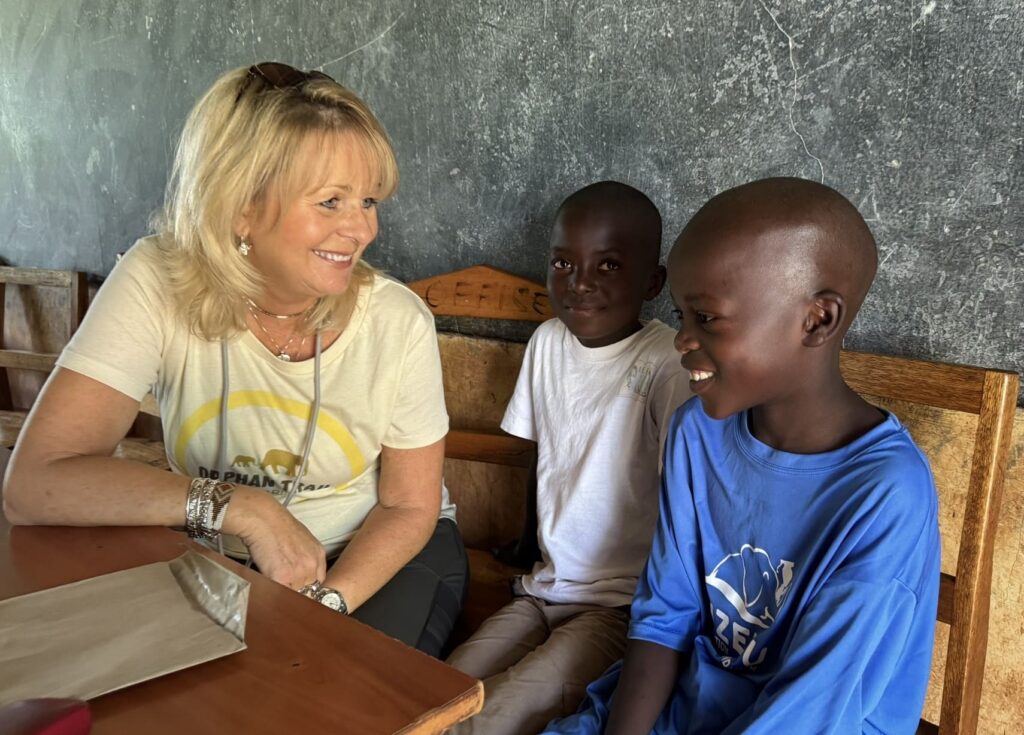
751, 589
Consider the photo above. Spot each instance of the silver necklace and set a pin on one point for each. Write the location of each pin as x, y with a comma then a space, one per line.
282, 351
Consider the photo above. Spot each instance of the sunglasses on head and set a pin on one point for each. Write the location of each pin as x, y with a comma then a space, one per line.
280, 76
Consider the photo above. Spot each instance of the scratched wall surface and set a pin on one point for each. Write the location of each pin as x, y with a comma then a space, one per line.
499, 109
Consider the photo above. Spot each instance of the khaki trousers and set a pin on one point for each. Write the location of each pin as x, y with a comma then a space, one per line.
536, 660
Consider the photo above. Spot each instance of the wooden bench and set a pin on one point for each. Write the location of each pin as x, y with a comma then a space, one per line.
485, 469
37, 296
961, 417
38, 317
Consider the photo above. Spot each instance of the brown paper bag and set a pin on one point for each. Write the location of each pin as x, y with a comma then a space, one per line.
100, 634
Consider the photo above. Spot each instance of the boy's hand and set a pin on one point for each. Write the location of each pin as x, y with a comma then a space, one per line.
525, 550
517, 554
648, 678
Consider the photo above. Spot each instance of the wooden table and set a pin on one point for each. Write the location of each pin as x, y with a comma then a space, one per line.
306, 668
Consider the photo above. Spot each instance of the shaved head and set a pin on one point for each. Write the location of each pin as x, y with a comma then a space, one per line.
623, 208
809, 237
766, 279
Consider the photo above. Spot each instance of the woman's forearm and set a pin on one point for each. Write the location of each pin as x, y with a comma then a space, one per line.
62, 471
106, 491
388, 539
398, 527
92, 491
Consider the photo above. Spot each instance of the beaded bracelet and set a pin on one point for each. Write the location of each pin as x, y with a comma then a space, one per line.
206, 506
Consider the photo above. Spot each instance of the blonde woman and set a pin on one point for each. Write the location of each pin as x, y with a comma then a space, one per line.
300, 391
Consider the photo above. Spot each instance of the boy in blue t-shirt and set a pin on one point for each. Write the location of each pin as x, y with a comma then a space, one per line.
793, 580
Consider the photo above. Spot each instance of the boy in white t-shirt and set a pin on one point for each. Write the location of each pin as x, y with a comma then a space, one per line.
595, 392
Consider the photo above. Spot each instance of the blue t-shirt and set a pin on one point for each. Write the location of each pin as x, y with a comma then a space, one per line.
801, 589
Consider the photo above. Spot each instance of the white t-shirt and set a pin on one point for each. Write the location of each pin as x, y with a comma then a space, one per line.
598, 416
380, 385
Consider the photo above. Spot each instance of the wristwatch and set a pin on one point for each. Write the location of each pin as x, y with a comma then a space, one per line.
329, 597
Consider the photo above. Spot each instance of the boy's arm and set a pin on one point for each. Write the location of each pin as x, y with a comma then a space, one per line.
524, 551
520, 420
648, 677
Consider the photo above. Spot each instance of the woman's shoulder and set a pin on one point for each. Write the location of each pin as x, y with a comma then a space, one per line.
143, 268
147, 257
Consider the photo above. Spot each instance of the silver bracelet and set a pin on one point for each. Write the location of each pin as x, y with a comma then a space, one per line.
206, 507
192, 518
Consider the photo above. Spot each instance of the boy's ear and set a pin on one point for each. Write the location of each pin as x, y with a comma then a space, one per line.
656, 283
823, 318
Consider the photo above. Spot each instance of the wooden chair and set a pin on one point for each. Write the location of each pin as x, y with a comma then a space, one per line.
933, 400
990, 395
70, 308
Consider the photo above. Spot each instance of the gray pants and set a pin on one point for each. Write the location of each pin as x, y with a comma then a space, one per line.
420, 604
536, 660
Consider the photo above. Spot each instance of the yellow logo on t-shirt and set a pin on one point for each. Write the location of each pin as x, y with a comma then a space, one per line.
276, 461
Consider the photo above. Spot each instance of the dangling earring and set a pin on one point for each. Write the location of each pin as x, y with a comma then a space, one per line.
244, 247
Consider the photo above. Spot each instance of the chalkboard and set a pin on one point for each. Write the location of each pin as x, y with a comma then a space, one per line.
499, 109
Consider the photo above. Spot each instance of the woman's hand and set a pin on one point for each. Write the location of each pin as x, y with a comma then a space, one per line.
280, 546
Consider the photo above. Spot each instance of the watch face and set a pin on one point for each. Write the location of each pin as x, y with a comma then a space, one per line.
331, 599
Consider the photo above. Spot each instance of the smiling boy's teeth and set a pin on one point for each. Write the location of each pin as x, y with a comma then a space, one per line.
335, 257
699, 375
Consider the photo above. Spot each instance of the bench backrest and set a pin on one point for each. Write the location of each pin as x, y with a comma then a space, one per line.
483, 292
57, 296
486, 469
933, 400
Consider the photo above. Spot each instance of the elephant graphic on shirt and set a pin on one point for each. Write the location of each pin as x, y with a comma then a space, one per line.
752, 584
280, 461
751, 590
243, 460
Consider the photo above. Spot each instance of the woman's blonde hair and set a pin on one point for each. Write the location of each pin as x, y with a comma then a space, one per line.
239, 142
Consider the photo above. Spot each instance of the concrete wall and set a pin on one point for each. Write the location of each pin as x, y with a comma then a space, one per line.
500, 109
